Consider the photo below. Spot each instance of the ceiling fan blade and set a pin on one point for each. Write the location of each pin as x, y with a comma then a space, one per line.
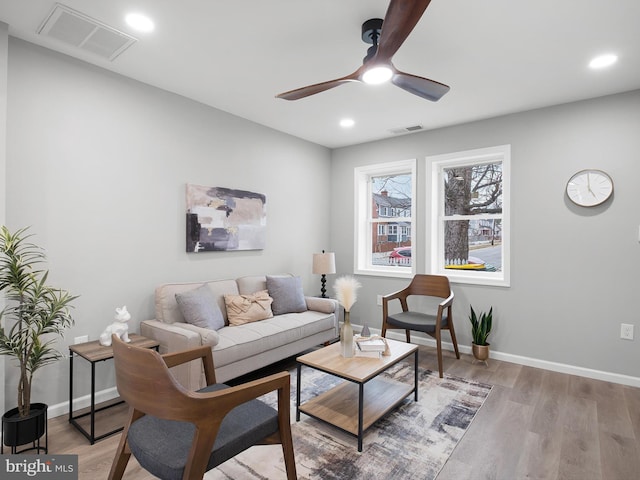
423, 87
400, 19
299, 93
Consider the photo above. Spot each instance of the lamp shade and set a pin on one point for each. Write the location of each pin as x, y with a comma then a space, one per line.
324, 263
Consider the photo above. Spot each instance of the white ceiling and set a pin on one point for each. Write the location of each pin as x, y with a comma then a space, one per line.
498, 56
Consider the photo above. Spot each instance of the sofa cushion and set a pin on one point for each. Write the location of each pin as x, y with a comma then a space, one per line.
287, 294
243, 309
251, 283
167, 310
199, 307
245, 341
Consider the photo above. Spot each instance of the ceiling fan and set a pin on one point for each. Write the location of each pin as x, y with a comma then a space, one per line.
386, 37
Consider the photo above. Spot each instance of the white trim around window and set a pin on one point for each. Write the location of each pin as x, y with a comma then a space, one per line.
363, 255
436, 264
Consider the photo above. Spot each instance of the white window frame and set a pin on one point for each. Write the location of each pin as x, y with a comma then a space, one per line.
500, 153
363, 248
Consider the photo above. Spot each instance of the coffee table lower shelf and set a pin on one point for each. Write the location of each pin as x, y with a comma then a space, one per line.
340, 405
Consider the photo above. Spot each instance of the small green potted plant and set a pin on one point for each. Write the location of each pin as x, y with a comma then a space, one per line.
34, 314
480, 330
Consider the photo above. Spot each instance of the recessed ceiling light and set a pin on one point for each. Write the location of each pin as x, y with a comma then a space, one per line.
347, 123
603, 61
139, 22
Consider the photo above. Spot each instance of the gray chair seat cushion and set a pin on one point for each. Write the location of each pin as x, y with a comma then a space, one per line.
162, 446
421, 322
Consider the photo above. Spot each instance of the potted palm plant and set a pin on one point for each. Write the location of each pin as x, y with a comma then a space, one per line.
480, 330
34, 314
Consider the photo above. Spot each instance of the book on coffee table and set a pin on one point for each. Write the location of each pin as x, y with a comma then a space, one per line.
366, 353
371, 344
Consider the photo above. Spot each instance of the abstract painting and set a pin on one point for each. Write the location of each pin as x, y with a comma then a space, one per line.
220, 219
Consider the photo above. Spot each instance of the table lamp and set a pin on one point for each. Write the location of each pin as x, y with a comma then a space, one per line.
323, 264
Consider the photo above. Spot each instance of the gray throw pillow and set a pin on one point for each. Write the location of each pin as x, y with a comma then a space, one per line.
287, 294
199, 308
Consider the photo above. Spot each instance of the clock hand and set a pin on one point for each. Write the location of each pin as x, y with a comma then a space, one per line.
589, 184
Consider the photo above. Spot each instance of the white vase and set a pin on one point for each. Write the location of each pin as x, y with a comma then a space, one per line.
346, 337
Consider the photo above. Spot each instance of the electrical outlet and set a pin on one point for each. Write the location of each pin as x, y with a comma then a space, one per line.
379, 300
81, 339
626, 331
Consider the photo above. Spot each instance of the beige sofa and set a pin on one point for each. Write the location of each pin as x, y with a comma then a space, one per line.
238, 349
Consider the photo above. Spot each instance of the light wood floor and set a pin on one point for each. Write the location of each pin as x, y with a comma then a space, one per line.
535, 424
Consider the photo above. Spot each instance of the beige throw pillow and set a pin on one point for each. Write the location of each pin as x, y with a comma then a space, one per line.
243, 309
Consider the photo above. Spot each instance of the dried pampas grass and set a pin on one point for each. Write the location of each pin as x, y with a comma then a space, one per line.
346, 291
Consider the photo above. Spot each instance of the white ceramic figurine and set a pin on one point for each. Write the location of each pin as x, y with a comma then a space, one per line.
119, 327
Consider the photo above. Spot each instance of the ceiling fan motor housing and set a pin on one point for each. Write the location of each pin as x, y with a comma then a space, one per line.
370, 29
370, 34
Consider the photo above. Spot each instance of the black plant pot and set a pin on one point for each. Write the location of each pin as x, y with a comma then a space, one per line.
18, 431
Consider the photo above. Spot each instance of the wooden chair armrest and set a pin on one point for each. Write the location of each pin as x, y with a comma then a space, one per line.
394, 295
400, 295
184, 356
447, 301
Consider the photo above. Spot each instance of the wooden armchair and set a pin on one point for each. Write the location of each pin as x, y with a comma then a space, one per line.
426, 285
178, 434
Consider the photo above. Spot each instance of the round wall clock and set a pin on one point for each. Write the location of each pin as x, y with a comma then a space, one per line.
589, 188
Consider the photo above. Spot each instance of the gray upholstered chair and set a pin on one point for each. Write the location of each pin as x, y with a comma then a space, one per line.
429, 323
178, 434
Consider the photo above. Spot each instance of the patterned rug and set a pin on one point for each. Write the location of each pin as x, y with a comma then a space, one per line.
413, 441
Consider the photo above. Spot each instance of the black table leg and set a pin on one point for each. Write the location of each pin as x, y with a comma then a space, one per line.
415, 383
298, 392
70, 385
93, 403
360, 415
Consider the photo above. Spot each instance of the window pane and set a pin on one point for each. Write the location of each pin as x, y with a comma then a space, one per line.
384, 207
473, 245
392, 244
473, 189
392, 199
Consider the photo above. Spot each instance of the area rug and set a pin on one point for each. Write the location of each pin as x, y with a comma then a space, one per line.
413, 441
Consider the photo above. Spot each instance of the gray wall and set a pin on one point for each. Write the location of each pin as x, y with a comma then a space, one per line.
574, 275
97, 165
4, 54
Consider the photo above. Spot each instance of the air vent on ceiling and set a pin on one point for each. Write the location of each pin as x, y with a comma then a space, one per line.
413, 128
75, 28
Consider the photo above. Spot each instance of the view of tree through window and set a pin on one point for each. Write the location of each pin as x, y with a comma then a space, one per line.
391, 217
473, 217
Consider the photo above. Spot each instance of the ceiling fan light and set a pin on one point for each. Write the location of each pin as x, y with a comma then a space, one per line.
377, 75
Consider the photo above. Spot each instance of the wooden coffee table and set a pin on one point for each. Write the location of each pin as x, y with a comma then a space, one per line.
349, 406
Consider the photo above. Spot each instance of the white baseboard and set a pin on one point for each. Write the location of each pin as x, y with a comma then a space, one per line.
519, 359
110, 393
81, 402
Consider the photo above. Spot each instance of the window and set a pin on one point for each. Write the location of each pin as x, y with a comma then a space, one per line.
384, 202
470, 216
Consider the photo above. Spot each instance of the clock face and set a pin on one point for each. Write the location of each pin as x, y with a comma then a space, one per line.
589, 188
